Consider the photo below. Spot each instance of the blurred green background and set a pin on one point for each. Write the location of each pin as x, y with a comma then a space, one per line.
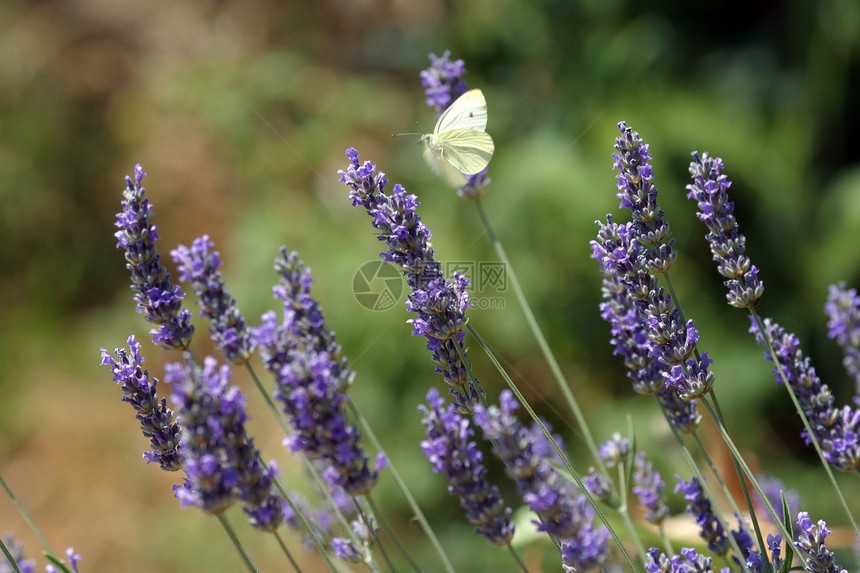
240, 112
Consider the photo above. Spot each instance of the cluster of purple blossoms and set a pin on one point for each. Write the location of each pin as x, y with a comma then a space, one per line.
157, 421
809, 542
648, 487
156, 297
709, 189
835, 429
623, 268
564, 513
688, 561
614, 452
450, 451
699, 506
443, 81
673, 341
439, 304
443, 85
311, 377
843, 311
16, 550
756, 562
219, 458
199, 265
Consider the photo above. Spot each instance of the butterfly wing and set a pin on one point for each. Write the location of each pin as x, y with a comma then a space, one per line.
469, 111
467, 150
443, 169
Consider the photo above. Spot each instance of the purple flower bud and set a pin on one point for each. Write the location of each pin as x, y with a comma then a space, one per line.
157, 421
843, 311
648, 487
835, 429
450, 451
156, 297
439, 304
699, 506
199, 265
709, 190
809, 542
442, 81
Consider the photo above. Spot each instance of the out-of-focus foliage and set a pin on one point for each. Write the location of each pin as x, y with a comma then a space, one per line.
241, 112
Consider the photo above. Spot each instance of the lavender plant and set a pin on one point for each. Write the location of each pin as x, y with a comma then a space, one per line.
204, 432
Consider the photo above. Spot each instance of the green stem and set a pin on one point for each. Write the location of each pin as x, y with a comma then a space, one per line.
576, 477
287, 552
391, 534
236, 543
9, 558
401, 485
516, 557
26, 517
541, 340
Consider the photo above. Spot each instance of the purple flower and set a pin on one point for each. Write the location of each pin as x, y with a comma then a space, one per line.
439, 304
648, 487
73, 558
699, 506
709, 190
688, 561
626, 279
157, 421
810, 544
220, 458
757, 564
16, 549
450, 451
200, 265
835, 429
673, 341
843, 311
563, 511
156, 297
597, 484
311, 377
442, 81
613, 452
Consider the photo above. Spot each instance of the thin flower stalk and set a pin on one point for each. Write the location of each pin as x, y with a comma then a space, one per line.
157, 298
200, 265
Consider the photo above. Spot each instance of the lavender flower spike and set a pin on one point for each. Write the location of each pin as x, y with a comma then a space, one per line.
443, 82
439, 304
810, 544
688, 561
16, 549
673, 341
699, 506
220, 458
835, 429
199, 264
564, 513
311, 378
648, 487
157, 421
843, 310
727, 244
156, 297
449, 450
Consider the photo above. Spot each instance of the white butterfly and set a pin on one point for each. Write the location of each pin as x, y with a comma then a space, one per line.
459, 146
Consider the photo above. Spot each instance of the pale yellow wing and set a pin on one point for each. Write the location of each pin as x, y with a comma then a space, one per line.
467, 150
